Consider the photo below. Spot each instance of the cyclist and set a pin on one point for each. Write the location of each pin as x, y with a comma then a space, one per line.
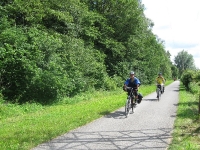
160, 80
134, 83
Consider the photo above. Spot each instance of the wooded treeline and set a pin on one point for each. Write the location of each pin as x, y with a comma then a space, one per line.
50, 49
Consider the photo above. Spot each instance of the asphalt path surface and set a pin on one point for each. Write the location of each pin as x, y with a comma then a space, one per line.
148, 128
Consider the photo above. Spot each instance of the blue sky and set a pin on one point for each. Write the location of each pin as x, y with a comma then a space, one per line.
177, 22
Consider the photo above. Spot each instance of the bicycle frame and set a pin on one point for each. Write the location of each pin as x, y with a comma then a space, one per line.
132, 93
128, 106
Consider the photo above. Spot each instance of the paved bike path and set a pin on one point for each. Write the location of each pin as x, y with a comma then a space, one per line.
148, 128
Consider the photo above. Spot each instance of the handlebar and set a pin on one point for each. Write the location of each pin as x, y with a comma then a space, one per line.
130, 88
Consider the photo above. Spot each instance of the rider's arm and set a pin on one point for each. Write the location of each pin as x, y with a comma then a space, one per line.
163, 80
156, 80
126, 83
137, 86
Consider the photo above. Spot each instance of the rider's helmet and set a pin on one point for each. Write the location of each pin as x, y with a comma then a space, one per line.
160, 73
132, 72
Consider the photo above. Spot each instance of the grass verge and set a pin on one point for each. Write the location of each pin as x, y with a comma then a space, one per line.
23, 127
186, 134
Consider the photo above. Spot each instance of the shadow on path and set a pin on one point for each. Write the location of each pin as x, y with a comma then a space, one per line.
149, 139
150, 99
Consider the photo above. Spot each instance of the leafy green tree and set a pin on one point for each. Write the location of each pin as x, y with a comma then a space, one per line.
52, 49
184, 61
174, 71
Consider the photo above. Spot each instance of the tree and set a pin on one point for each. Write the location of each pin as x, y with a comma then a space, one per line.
51, 49
184, 61
174, 71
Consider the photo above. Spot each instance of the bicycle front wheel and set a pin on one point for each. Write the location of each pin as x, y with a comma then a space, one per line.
127, 107
158, 93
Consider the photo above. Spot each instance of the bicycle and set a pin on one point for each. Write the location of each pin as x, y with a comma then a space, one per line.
159, 91
129, 102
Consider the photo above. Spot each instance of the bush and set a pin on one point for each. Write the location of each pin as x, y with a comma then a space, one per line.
186, 78
194, 87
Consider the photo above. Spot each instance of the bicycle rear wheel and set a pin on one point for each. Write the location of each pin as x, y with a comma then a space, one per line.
159, 94
133, 106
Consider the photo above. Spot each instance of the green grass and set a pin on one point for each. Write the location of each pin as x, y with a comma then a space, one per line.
186, 134
23, 127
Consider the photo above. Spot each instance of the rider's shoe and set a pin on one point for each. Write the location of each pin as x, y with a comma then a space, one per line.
157, 97
133, 105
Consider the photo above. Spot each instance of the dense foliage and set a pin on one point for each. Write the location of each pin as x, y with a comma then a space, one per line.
52, 49
191, 80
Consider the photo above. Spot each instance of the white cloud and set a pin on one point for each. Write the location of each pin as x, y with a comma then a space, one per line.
177, 22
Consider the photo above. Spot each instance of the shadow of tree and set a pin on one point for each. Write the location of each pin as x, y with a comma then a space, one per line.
128, 139
188, 103
150, 99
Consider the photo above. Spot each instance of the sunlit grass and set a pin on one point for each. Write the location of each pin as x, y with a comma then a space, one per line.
186, 134
25, 126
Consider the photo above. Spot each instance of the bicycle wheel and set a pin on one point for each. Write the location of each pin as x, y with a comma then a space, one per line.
133, 105
158, 93
127, 106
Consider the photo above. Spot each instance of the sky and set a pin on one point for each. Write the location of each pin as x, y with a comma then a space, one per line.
177, 23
